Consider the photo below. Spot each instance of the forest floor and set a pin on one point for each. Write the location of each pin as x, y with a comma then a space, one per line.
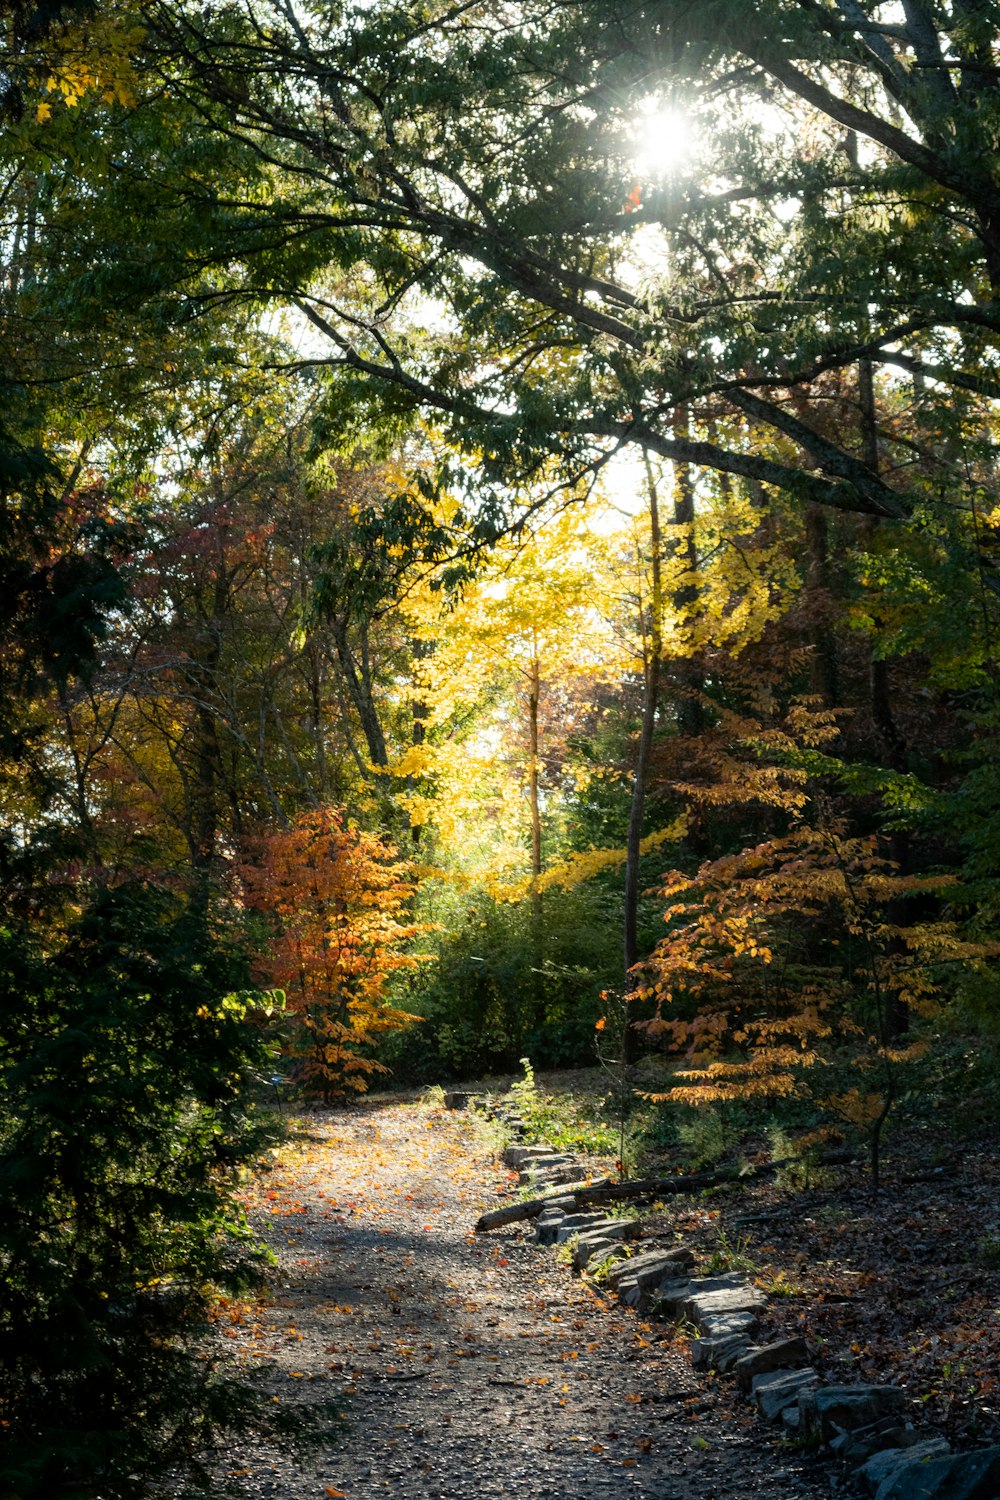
465, 1366
902, 1287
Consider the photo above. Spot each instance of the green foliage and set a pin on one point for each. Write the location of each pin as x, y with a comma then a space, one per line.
484, 1000
127, 1063
802, 1169
731, 1255
569, 1122
651, 1131
988, 1252
486, 164
598, 1270
703, 1136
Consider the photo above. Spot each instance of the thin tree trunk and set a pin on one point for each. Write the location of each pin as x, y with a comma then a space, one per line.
316, 716
650, 699
359, 690
421, 650
825, 665
691, 711
534, 694
891, 743
537, 929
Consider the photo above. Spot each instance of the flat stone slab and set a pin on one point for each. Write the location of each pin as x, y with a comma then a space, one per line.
675, 1288
964, 1476
633, 1294
710, 1353
728, 1358
723, 1282
596, 1247
651, 1267
842, 1408
701, 1304
667, 1297
547, 1173
604, 1232
882, 1466
557, 1207
571, 1224
516, 1156
787, 1354
776, 1389
616, 1229
720, 1324
888, 1434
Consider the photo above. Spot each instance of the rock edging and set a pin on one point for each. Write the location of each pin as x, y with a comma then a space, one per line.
864, 1426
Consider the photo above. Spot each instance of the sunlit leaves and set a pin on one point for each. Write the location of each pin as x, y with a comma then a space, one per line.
339, 899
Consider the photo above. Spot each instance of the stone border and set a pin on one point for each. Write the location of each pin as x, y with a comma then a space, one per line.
864, 1426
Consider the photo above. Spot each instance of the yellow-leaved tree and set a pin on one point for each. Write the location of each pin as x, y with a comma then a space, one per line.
497, 684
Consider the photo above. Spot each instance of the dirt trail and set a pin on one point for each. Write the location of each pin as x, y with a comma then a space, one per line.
468, 1367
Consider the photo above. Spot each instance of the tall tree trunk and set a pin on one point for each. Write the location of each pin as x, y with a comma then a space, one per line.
537, 927
691, 711
891, 741
204, 820
825, 665
421, 650
357, 680
314, 673
534, 695
202, 673
891, 744
650, 699
78, 798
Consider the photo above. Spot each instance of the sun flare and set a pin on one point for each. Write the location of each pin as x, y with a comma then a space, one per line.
663, 140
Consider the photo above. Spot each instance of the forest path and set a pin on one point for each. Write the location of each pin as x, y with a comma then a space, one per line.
465, 1366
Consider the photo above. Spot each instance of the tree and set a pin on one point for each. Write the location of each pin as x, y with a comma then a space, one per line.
382, 544
340, 898
794, 955
127, 1059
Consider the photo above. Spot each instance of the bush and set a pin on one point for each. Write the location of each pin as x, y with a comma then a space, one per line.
127, 1060
489, 996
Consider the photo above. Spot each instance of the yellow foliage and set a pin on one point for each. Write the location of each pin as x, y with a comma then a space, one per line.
417, 761
91, 59
568, 873
858, 1109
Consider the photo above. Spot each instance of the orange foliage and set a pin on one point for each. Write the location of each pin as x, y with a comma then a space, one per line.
784, 956
338, 898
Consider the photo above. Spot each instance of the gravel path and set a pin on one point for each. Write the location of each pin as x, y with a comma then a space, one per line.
468, 1367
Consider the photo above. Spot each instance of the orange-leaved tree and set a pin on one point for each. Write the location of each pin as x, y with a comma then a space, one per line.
805, 964
338, 899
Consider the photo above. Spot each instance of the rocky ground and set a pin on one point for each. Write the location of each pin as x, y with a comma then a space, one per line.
466, 1366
